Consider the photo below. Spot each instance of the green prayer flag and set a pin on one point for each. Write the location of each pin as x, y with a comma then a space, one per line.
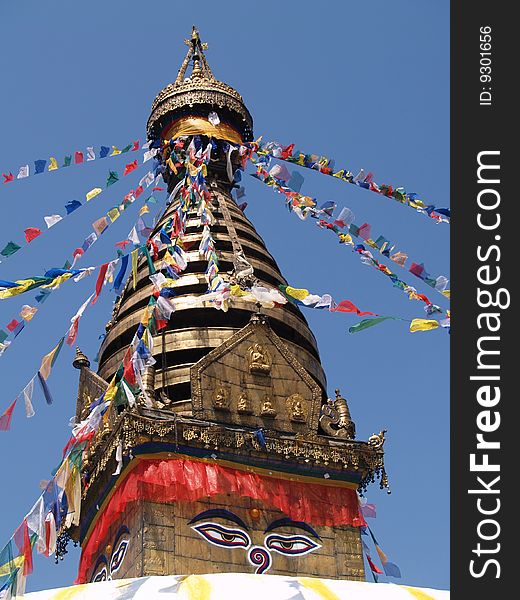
67, 160
126, 148
151, 200
151, 267
112, 178
3, 336
366, 323
10, 249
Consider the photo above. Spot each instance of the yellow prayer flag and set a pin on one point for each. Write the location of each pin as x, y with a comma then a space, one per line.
423, 325
299, 294
93, 193
144, 209
113, 214
49, 359
236, 291
57, 281
115, 151
23, 286
446, 293
53, 164
134, 255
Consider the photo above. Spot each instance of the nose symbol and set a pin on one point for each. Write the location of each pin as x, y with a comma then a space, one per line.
260, 558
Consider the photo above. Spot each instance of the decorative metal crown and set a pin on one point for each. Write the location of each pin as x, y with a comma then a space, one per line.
200, 87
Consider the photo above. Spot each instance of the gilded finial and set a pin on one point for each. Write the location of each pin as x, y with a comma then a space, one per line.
80, 360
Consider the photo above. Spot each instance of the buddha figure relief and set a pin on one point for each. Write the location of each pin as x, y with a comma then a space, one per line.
259, 359
267, 409
244, 405
221, 399
295, 408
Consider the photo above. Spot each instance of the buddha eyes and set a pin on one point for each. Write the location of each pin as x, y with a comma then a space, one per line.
223, 536
101, 575
290, 545
287, 545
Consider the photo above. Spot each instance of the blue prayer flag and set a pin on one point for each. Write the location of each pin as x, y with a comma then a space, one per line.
39, 166
72, 206
104, 151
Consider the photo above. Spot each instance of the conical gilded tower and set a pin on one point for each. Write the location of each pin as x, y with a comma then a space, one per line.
231, 458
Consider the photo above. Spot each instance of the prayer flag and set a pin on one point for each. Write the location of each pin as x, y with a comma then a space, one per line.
89, 241
7, 177
39, 166
113, 214
53, 164
31, 233
91, 155
27, 312
67, 160
366, 323
399, 258
112, 178
45, 388
118, 281
22, 540
299, 294
115, 151
12, 325
23, 172
104, 150
126, 149
51, 220
78, 157
49, 359
123, 244
347, 306
100, 280
130, 167
5, 419
135, 256
135, 146
423, 325
27, 396
391, 569
93, 193
100, 225
72, 206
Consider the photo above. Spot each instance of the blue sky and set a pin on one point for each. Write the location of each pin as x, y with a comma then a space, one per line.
364, 82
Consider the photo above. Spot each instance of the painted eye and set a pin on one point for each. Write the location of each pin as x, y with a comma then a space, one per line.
222, 536
100, 575
118, 556
290, 545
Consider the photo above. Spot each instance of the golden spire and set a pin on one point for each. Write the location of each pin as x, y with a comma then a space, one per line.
195, 53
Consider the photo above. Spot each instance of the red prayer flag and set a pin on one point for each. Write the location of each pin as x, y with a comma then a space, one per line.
129, 373
78, 252
374, 568
364, 231
5, 419
78, 157
72, 334
138, 191
348, 306
31, 233
12, 325
100, 280
123, 244
23, 542
287, 151
130, 167
135, 146
7, 177
157, 189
